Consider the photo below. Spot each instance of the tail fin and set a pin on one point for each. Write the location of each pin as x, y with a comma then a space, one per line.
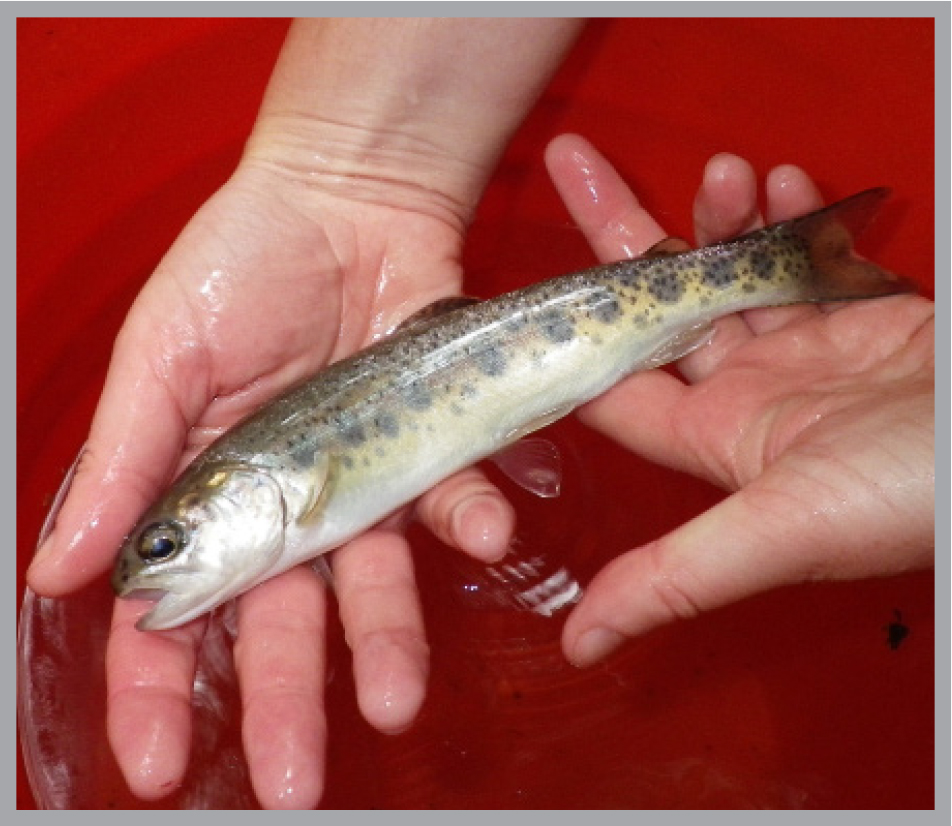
838, 271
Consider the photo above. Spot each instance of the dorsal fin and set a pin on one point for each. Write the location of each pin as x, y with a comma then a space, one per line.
435, 309
667, 246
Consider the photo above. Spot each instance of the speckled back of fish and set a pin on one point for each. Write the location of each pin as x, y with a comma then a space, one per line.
367, 435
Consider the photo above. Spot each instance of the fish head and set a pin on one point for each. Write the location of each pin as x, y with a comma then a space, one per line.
215, 532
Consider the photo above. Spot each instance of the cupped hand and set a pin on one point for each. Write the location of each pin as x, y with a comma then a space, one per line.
818, 419
274, 277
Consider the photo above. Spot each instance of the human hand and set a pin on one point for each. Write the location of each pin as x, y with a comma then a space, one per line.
266, 284
818, 419
370, 151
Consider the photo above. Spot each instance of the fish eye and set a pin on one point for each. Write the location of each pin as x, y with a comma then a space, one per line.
160, 541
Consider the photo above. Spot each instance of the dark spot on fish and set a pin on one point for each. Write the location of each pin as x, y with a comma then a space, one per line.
352, 433
455, 409
517, 323
388, 425
347, 462
665, 285
379, 451
417, 396
491, 361
467, 391
303, 455
749, 287
763, 264
607, 311
628, 275
556, 326
719, 272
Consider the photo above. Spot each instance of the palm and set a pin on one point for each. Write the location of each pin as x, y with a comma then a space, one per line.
257, 294
826, 433
788, 391
266, 285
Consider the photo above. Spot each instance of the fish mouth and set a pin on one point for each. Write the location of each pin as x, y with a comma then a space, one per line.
169, 609
145, 594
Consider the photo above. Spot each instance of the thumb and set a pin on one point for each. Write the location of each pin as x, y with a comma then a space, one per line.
763, 536
136, 436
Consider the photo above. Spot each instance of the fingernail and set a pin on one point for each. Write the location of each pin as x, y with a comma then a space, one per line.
594, 645
717, 167
478, 527
41, 554
45, 543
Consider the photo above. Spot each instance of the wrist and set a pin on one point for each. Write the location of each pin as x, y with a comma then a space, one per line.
368, 163
410, 112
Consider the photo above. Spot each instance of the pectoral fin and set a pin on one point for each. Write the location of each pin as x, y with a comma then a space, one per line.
322, 567
316, 481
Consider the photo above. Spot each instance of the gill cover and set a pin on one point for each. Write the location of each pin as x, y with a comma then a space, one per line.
232, 520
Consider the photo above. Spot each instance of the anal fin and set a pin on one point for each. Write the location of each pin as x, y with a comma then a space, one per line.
681, 344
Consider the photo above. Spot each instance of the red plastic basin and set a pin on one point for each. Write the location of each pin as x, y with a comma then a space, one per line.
793, 699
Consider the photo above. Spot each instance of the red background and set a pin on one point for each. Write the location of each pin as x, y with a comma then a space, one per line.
125, 126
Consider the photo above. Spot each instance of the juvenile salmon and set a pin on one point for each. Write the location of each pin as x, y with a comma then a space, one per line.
338, 453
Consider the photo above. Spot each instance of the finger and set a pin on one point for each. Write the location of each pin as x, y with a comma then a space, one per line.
383, 621
639, 413
726, 201
725, 554
788, 526
599, 201
468, 512
725, 206
134, 442
790, 193
149, 678
281, 665
616, 225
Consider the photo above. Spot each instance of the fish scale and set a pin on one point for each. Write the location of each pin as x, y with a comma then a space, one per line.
341, 451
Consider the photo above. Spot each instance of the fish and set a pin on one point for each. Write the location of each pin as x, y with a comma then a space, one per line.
342, 450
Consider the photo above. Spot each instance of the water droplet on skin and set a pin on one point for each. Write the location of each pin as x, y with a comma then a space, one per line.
287, 789
386, 321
